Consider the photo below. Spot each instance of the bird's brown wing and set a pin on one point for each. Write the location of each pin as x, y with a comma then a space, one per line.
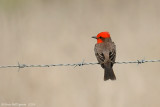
112, 54
99, 54
100, 57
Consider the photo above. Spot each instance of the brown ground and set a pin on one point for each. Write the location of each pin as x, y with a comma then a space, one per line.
53, 32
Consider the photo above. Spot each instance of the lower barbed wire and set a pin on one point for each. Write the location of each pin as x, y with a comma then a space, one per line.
76, 64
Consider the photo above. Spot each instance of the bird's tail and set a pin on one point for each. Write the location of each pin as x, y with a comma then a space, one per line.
109, 74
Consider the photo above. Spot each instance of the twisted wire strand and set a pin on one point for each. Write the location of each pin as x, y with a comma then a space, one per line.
75, 64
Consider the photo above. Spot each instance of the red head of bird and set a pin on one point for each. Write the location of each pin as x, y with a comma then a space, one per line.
101, 36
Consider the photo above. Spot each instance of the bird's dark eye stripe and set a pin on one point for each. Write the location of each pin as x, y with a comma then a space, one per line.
100, 37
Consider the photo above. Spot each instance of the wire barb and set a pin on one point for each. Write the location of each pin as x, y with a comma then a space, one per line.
76, 64
79, 64
21, 65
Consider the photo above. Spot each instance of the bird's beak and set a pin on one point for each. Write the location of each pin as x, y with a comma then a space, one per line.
94, 37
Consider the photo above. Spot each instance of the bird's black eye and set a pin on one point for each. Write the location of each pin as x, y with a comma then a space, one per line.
100, 37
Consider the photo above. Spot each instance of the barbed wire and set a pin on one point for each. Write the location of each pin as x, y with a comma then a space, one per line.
76, 64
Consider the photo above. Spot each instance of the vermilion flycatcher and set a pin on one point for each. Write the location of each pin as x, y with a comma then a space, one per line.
105, 51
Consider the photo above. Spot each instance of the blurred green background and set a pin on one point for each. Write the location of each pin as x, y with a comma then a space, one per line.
60, 31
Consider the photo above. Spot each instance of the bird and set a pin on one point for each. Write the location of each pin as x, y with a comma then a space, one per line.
105, 52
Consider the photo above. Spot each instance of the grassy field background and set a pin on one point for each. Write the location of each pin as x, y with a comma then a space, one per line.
60, 31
